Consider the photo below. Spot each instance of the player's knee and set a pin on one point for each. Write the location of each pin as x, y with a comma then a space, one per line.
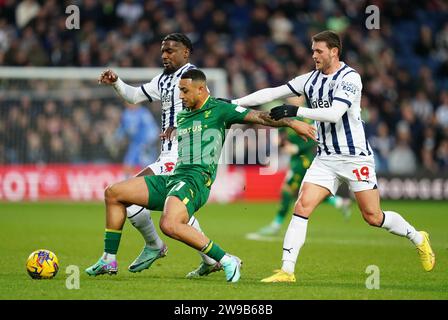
302, 208
372, 217
110, 193
168, 227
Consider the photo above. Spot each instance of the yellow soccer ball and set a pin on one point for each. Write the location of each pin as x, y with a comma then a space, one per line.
42, 264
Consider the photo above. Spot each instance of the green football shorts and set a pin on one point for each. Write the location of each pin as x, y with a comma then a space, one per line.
192, 190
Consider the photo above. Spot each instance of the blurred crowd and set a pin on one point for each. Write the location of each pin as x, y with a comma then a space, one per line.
403, 65
52, 131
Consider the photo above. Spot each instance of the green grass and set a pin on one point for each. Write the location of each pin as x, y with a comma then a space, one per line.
332, 264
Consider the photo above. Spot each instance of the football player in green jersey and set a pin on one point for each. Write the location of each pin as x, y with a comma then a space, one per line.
201, 133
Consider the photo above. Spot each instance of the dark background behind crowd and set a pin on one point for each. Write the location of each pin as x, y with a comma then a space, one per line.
403, 65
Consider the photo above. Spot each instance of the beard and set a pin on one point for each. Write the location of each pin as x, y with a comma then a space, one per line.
169, 69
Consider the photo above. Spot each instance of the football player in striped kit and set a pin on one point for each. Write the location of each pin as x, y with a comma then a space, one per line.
176, 49
333, 95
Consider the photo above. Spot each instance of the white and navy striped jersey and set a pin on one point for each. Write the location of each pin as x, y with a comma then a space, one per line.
164, 88
346, 136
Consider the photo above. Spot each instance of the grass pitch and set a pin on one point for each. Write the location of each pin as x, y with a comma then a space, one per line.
332, 264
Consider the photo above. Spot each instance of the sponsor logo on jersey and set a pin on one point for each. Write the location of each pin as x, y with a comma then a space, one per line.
195, 128
320, 103
350, 87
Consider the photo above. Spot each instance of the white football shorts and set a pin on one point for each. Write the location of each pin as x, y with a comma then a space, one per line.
165, 164
330, 171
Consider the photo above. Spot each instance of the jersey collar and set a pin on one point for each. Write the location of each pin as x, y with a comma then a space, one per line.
179, 71
198, 109
342, 65
205, 102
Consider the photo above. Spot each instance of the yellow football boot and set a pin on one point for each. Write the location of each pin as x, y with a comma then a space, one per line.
427, 256
280, 276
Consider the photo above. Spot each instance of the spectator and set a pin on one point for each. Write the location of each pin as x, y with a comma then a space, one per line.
338, 22
402, 159
34, 153
220, 24
415, 124
281, 28
57, 152
26, 11
442, 155
442, 43
442, 110
422, 107
425, 44
130, 11
257, 25
427, 154
382, 144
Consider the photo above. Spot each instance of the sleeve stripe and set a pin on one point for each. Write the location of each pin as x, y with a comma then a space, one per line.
146, 94
343, 100
292, 89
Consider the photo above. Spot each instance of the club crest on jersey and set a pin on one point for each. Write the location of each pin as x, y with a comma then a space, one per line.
320, 103
169, 166
207, 113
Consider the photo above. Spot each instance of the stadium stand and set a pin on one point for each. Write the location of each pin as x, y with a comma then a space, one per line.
404, 66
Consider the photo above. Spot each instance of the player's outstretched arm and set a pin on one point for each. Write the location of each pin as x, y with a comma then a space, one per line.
332, 114
264, 95
303, 129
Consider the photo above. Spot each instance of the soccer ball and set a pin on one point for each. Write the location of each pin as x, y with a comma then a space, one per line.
42, 264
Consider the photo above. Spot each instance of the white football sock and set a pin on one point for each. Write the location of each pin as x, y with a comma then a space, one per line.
294, 240
141, 219
395, 224
195, 224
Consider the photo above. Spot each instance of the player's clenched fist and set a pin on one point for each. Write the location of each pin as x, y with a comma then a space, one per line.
107, 77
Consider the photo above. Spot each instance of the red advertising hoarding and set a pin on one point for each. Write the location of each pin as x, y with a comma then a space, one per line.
57, 182
87, 183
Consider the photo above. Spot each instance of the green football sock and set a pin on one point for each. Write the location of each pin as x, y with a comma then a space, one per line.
213, 251
112, 241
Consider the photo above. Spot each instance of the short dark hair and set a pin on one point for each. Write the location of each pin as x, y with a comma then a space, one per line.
331, 38
194, 74
180, 37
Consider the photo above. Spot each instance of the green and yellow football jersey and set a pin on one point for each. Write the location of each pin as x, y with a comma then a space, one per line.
201, 134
